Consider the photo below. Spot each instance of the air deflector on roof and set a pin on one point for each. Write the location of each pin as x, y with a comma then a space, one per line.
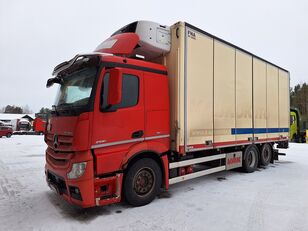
153, 40
120, 44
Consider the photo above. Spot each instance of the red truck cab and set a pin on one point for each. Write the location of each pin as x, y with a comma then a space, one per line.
110, 111
39, 126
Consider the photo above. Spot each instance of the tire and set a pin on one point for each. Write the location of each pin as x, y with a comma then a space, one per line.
251, 158
142, 182
266, 154
8, 135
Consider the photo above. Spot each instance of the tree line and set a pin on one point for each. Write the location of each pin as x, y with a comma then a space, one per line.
299, 99
12, 109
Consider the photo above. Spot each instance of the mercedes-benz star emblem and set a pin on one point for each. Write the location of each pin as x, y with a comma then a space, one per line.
55, 141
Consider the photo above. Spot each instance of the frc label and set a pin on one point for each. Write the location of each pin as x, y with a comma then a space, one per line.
191, 34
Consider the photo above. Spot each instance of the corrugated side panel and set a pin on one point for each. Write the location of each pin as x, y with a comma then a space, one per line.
272, 105
199, 89
174, 61
243, 80
224, 92
259, 97
284, 110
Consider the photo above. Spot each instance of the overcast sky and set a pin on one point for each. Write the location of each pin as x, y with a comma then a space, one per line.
37, 35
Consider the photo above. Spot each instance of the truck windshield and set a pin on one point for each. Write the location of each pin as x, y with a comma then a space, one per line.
76, 88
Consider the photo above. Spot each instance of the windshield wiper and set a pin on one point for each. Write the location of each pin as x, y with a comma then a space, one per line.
64, 104
66, 107
54, 109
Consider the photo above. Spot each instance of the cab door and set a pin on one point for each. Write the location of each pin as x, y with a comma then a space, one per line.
117, 128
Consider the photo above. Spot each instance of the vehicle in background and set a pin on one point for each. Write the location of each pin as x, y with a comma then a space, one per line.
3, 124
24, 126
298, 127
156, 105
39, 123
6, 131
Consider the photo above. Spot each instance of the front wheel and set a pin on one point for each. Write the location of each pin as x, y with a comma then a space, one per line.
8, 135
142, 182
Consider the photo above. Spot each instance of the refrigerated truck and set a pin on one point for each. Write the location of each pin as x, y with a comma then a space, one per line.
155, 105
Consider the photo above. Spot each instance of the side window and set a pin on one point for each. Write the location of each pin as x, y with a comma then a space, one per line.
130, 92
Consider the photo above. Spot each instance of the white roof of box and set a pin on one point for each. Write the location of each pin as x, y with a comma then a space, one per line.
8, 116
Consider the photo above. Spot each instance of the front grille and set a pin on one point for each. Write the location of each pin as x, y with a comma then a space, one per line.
59, 155
59, 159
55, 161
64, 142
57, 181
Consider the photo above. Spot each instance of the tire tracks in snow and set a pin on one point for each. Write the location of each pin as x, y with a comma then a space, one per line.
256, 213
10, 187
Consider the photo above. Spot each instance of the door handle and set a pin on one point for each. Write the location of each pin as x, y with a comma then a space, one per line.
137, 134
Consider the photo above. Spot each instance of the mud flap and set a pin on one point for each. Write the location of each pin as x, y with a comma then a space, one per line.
274, 156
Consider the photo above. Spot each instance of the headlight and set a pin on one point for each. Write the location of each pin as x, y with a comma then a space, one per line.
78, 170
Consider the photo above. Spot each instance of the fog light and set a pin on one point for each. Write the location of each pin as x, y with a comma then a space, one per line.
78, 170
75, 193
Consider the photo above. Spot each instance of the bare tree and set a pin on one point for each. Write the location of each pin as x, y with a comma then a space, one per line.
26, 109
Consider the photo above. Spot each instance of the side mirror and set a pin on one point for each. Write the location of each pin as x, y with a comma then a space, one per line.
114, 87
51, 81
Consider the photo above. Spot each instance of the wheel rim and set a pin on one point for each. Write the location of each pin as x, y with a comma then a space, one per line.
251, 158
266, 155
144, 181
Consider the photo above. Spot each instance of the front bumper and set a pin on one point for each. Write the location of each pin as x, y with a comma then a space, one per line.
87, 190
79, 191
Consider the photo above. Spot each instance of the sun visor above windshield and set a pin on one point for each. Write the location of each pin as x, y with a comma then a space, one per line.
120, 44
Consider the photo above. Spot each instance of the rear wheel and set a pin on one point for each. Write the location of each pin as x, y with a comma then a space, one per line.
142, 182
250, 161
8, 135
266, 154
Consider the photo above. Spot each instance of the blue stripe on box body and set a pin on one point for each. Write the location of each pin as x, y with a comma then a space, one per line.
242, 131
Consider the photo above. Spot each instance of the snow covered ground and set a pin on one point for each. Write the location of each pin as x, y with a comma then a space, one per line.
275, 198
